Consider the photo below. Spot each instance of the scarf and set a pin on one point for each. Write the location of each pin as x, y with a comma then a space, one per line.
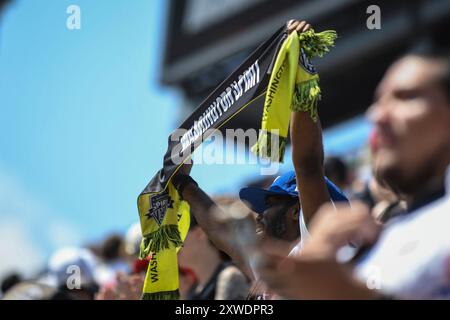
295, 83
164, 216
165, 225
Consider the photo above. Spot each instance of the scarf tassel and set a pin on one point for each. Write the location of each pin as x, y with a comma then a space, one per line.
165, 295
263, 147
160, 239
306, 98
317, 44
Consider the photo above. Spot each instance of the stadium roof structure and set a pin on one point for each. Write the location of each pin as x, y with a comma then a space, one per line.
206, 40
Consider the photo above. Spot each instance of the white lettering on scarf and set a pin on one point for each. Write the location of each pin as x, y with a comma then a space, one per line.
221, 105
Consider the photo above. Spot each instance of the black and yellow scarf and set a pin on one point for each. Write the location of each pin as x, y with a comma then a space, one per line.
270, 76
294, 85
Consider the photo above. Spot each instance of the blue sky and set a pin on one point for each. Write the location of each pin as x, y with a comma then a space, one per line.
83, 123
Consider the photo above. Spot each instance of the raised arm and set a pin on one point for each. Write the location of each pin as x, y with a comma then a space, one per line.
219, 228
307, 158
307, 153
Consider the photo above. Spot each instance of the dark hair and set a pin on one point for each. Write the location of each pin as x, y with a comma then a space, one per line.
10, 281
111, 248
435, 46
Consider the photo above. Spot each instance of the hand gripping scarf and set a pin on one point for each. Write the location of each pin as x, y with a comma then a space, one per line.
269, 76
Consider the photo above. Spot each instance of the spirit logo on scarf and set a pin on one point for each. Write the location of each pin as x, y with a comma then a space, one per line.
158, 206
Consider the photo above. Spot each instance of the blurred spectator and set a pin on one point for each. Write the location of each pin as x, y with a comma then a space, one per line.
383, 203
29, 290
10, 281
127, 287
207, 263
121, 273
111, 248
387, 205
367, 194
73, 272
140, 266
187, 282
132, 243
112, 261
411, 118
132, 240
336, 170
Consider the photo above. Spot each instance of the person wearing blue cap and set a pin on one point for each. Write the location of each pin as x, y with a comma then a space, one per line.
280, 198
286, 207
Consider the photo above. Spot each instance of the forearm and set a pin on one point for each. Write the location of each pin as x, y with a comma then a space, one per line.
307, 158
307, 145
214, 223
205, 210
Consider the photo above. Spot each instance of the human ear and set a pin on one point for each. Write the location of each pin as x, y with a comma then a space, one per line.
296, 212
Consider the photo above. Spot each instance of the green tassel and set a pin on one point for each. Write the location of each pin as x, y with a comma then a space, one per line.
317, 44
306, 98
160, 239
165, 295
263, 147
307, 94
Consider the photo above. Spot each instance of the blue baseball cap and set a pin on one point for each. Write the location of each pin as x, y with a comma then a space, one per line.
284, 185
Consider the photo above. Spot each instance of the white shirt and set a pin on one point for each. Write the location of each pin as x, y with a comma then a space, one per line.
411, 260
304, 234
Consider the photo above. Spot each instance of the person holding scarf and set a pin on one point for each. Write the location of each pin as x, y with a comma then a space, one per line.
285, 209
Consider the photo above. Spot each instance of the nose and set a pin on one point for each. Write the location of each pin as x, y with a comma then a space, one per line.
378, 113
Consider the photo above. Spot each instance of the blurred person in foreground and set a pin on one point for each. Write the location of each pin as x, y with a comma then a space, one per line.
411, 259
283, 211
